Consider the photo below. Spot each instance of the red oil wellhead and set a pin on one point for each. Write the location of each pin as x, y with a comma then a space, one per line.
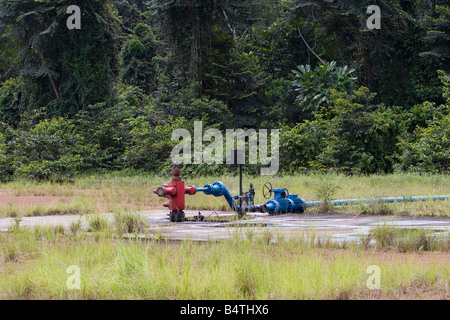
175, 191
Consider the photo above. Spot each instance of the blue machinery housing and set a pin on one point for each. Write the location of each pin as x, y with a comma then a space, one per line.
283, 202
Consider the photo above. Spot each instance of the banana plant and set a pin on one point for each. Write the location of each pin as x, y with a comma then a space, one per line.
314, 86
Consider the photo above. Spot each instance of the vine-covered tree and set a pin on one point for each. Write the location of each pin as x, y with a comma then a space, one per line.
65, 70
140, 59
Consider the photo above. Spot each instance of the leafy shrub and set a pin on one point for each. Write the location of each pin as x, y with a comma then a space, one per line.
301, 145
362, 138
151, 145
76, 226
429, 149
350, 135
139, 59
107, 126
53, 149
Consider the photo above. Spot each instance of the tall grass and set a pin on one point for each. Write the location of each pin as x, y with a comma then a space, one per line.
60, 208
238, 269
410, 240
128, 223
10, 211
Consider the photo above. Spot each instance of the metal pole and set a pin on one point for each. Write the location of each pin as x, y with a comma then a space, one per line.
240, 191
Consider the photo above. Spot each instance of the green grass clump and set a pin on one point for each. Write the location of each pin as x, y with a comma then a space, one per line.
76, 226
97, 223
129, 223
410, 240
48, 232
326, 192
377, 208
15, 224
10, 211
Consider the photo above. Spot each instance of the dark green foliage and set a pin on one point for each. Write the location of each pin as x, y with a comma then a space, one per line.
363, 138
63, 69
11, 108
5, 158
130, 13
438, 38
187, 25
314, 87
233, 78
107, 125
151, 145
53, 149
386, 60
350, 135
109, 96
139, 59
427, 149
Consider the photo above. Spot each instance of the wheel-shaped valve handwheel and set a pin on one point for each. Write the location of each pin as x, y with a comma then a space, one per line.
267, 190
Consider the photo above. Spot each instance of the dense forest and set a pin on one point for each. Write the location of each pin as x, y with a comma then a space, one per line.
108, 96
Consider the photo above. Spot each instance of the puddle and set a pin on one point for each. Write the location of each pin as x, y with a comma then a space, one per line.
239, 225
217, 226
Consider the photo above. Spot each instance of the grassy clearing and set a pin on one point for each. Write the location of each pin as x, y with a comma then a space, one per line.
34, 264
112, 193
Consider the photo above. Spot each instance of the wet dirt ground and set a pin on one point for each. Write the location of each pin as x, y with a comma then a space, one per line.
336, 228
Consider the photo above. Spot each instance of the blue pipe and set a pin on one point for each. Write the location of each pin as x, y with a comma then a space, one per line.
292, 203
389, 200
218, 189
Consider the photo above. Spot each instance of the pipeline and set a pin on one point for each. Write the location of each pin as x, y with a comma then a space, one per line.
282, 201
388, 200
291, 203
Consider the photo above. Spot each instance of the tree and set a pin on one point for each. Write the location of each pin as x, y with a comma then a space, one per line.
63, 69
385, 60
233, 77
438, 39
140, 59
187, 25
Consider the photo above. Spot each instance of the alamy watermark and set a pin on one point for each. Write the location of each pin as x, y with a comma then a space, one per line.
213, 153
374, 281
74, 21
374, 21
74, 280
